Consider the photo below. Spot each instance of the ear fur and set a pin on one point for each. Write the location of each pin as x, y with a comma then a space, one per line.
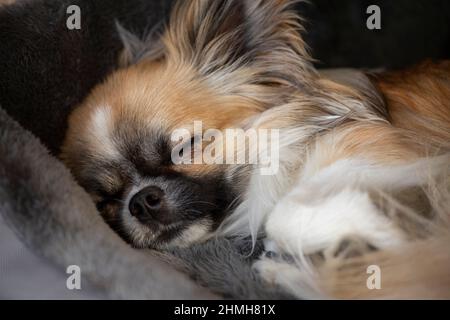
201, 28
213, 34
136, 49
236, 44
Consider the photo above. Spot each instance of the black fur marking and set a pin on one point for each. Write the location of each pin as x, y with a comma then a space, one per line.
148, 151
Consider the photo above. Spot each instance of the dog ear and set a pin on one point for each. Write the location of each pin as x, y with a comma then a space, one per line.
218, 35
248, 48
206, 32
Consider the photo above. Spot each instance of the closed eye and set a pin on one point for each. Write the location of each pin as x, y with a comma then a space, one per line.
108, 198
103, 204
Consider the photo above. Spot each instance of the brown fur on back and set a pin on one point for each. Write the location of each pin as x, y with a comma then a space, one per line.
418, 100
417, 271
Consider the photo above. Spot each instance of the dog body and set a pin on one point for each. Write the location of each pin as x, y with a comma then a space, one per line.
369, 193
363, 158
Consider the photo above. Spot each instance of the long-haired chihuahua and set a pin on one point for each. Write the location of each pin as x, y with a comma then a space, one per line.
363, 180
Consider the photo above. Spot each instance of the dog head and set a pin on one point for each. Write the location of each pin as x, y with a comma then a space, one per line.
218, 62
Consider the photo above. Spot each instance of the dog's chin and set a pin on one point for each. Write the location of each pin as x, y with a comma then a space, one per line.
153, 235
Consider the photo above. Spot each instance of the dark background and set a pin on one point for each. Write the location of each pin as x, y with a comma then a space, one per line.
46, 70
411, 31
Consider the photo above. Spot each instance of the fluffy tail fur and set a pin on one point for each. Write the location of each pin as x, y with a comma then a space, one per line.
414, 266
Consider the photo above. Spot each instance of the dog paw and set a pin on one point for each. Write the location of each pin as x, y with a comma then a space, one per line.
270, 269
273, 271
266, 268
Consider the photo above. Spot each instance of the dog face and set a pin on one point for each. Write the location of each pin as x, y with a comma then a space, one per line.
218, 62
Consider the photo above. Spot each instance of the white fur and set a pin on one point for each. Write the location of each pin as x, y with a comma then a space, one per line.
100, 131
316, 224
195, 233
301, 282
325, 206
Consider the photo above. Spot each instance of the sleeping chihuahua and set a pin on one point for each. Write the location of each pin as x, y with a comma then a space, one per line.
354, 186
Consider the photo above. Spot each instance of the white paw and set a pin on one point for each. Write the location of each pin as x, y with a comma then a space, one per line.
267, 269
290, 277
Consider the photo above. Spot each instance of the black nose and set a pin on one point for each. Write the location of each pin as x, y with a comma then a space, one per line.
149, 203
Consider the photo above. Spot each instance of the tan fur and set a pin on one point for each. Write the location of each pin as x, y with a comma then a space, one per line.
418, 100
6, 2
416, 271
197, 79
171, 100
378, 143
